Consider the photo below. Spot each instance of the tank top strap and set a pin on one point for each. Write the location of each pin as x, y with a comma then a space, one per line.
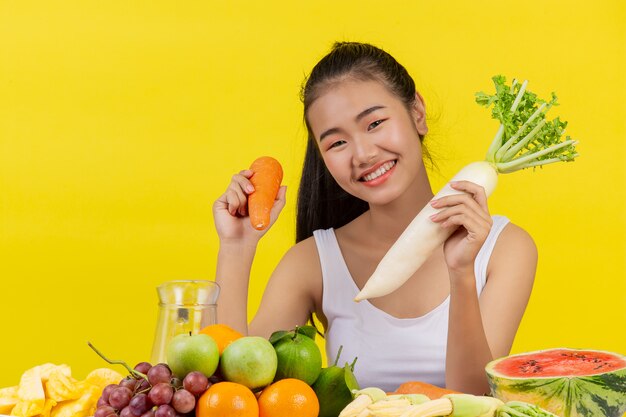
336, 279
482, 259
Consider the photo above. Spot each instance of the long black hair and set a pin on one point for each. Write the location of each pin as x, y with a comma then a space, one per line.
322, 203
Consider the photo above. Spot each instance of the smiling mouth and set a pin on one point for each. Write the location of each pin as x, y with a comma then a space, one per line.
380, 171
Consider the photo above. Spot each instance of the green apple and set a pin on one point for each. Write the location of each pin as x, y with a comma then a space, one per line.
186, 353
250, 361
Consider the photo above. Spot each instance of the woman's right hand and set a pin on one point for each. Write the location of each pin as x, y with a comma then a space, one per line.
230, 211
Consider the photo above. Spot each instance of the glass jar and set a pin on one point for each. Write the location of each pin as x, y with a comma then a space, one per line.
184, 306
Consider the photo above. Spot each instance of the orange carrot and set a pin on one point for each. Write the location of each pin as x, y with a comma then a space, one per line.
266, 181
417, 387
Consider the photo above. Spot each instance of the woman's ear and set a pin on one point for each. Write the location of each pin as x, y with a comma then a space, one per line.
419, 114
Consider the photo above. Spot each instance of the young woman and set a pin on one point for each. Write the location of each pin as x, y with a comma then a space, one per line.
362, 182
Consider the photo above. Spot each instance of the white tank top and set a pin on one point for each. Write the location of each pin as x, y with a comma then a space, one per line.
390, 350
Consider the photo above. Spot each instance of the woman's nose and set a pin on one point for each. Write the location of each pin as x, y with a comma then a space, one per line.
364, 152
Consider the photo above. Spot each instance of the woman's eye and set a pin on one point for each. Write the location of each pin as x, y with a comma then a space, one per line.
374, 124
336, 143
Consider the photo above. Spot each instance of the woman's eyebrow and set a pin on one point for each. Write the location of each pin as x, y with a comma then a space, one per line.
367, 111
329, 132
358, 118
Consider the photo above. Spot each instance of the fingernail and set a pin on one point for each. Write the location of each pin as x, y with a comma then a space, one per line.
249, 188
434, 203
433, 217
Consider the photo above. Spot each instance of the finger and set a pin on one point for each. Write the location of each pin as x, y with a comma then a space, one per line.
476, 229
233, 202
282, 193
246, 173
243, 182
242, 198
477, 191
220, 204
242, 211
467, 217
461, 200
279, 203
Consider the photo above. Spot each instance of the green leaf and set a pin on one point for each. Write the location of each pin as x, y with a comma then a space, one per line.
350, 379
278, 335
308, 331
528, 138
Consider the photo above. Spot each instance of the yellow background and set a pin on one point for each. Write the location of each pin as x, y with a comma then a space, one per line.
121, 122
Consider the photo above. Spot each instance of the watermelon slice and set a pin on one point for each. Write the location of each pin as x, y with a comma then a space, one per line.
566, 382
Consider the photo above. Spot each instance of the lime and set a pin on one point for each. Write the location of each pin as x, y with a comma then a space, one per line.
333, 388
332, 392
298, 357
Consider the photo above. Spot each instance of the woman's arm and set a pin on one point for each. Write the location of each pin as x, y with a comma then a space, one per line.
481, 330
293, 292
510, 278
234, 262
238, 242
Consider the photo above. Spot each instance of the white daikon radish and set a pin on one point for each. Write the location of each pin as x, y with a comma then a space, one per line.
524, 139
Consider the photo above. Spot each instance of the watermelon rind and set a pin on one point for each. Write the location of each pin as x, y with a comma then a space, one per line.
597, 395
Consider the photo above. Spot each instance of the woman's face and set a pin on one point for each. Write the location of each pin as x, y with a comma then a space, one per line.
368, 140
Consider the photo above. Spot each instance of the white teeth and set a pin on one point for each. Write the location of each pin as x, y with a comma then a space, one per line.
380, 171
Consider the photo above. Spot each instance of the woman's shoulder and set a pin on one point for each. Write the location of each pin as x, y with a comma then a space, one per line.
513, 234
303, 255
514, 246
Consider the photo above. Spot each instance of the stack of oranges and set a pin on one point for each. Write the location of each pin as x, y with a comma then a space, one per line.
285, 398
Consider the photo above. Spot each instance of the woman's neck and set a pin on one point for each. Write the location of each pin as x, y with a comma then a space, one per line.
388, 221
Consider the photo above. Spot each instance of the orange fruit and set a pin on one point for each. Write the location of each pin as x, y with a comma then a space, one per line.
222, 334
288, 398
227, 399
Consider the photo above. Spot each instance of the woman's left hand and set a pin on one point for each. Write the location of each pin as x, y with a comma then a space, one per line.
469, 215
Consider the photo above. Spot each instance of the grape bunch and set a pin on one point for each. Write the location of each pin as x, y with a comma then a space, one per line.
152, 391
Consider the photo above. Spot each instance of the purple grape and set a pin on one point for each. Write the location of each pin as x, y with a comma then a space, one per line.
143, 367
120, 397
126, 412
183, 401
196, 383
161, 393
165, 411
129, 382
139, 404
102, 402
159, 373
105, 411
107, 391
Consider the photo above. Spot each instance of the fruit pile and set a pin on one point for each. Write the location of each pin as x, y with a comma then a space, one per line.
220, 372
